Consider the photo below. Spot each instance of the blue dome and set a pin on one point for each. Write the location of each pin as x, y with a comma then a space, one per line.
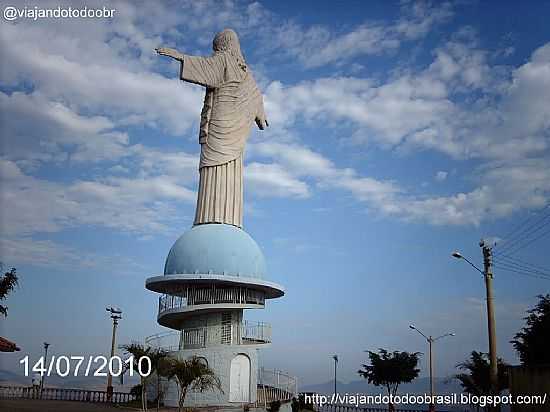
216, 249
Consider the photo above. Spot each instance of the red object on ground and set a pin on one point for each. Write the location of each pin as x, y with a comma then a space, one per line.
7, 346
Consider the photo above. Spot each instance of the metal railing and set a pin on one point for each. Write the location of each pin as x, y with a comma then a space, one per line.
201, 295
278, 380
169, 341
274, 385
61, 394
348, 408
247, 332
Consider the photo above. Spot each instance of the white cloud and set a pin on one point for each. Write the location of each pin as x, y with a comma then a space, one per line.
385, 114
67, 66
505, 126
50, 254
274, 181
34, 127
503, 188
141, 204
419, 17
318, 46
85, 83
441, 175
426, 110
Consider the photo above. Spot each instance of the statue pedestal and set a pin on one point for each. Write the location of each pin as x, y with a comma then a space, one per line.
214, 272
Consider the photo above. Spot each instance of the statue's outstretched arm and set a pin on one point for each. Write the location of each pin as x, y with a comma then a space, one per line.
166, 51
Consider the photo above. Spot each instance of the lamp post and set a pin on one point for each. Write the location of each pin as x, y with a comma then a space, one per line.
46, 345
491, 326
430, 341
116, 314
335, 357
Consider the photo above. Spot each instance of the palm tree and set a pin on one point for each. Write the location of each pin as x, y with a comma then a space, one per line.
160, 365
192, 373
7, 283
138, 351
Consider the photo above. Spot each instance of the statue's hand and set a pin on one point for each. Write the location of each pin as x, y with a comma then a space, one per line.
261, 122
166, 51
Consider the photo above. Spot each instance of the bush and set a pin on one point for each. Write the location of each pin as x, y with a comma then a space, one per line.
136, 391
303, 405
274, 406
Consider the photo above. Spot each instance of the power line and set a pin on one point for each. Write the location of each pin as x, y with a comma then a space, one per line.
524, 233
511, 247
510, 234
511, 268
523, 268
522, 262
522, 246
523, 273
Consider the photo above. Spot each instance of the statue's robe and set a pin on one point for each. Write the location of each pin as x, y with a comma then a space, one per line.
232, 103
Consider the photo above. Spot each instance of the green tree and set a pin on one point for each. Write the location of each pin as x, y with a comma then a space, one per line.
138, 351
390, 369
160, 366
476, 379
531, 343
8, 282
192, 373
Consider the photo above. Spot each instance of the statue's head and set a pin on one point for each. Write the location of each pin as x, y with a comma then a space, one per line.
227, 41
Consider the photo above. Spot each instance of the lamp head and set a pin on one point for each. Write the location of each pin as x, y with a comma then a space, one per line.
412, 327
457, 255
452, 334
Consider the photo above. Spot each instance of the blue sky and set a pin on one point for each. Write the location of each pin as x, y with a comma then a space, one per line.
399, 132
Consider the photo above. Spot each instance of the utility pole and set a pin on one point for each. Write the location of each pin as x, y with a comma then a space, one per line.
430, 339
335, 357
488, 275
116, 314
46, 345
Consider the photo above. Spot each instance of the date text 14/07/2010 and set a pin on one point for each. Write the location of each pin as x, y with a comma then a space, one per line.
88, 366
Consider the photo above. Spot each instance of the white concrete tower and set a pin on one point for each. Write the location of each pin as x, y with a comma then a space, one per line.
212, 273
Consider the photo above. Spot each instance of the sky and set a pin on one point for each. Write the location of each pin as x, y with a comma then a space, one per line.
399, 132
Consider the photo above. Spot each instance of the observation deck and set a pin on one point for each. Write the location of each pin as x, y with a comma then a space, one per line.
245, 333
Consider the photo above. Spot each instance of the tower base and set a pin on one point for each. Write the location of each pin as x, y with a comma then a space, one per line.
235, 366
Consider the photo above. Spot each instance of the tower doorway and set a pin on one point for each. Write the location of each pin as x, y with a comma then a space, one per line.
239, 380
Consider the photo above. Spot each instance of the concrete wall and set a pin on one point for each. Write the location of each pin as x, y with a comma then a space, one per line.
219, 359
213, 321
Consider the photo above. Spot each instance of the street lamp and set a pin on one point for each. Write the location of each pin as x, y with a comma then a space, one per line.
335, 357
46, 345
458, 255
430, 341
116, 314
491, 326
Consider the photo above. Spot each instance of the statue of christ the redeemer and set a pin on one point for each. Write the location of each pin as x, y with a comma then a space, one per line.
232, 103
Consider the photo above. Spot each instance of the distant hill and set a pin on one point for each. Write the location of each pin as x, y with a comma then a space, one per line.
418, 386
13, 378
72, 382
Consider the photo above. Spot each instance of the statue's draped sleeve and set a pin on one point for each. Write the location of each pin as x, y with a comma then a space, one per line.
206, 71
232, 102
